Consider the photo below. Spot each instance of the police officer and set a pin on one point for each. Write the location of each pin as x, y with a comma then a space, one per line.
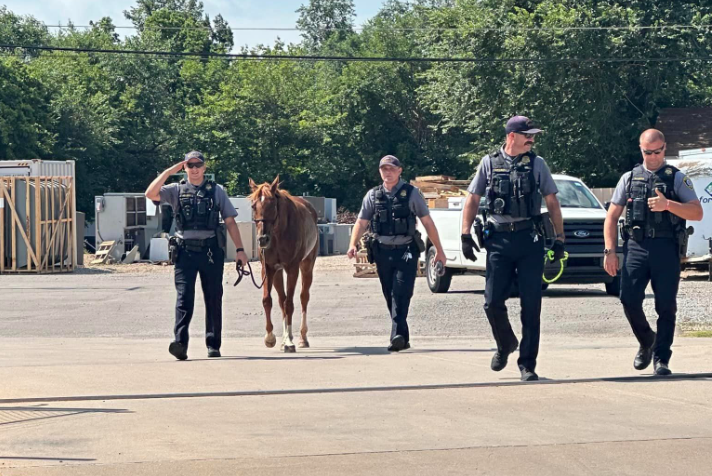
197, 204
391, 209
658, 198
513, 180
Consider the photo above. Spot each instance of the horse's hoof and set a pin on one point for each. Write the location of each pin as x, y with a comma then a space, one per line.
270, 340
304, 344
289, 349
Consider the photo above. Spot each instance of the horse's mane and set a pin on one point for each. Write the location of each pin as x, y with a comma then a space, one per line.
265, 190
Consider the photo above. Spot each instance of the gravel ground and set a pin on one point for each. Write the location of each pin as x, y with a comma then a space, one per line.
137, 301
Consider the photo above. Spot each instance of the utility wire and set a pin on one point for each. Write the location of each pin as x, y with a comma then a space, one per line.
362, 27
376, 59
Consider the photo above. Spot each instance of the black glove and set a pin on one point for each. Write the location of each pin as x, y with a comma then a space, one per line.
467, 244
558, 250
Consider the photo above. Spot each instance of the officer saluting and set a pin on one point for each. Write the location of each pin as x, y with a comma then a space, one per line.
514, 179
658, 198
197, 204
391, 209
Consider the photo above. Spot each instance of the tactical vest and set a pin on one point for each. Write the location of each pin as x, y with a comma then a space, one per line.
512, 189
640, 221
393, 215
197, 209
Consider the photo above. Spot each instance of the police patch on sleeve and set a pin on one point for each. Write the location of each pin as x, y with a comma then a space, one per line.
403, 193
686, 180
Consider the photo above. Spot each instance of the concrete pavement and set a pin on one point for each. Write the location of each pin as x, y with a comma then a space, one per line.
124, 406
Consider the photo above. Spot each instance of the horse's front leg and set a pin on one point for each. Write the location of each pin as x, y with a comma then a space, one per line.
268, 276
282, 297
292, 276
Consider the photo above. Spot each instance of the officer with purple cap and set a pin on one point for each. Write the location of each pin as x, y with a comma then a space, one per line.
513, 181
391, 209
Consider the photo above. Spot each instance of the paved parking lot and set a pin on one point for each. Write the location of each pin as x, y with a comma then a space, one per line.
87, 385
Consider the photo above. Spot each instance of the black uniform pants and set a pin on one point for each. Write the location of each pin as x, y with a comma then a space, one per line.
397, 276
510, 256
190, 264
655, 260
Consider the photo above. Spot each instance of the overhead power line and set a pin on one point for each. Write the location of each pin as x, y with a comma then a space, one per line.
394, 28
381, 59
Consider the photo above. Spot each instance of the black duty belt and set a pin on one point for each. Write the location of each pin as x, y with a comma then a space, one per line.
199, 245
393, 247
653, 233
513, 226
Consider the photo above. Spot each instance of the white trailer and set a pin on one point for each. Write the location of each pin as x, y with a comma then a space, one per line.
697, 165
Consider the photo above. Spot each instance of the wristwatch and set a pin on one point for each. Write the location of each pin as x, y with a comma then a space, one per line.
239, 249
607, 251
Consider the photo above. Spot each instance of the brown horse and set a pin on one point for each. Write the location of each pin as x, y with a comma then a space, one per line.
289, 241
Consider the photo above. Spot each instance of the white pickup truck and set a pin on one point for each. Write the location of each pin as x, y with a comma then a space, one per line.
583, 217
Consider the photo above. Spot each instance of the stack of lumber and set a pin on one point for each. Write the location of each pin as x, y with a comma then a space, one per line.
437, 189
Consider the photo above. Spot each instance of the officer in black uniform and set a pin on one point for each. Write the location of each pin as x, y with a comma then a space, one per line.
390, 209
513, 180
197, 204
658, 198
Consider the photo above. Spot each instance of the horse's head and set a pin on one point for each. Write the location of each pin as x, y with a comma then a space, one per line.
265, 210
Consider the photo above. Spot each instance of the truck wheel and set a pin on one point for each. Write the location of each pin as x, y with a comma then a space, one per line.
614, 287
437, 284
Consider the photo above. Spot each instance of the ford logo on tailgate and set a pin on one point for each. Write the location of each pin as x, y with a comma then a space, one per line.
582, 233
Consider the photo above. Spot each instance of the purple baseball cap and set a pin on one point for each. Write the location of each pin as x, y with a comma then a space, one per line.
521, 124
390, 160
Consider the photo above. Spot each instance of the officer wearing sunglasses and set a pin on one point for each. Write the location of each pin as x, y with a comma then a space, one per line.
197, 204
657, 199
513, 180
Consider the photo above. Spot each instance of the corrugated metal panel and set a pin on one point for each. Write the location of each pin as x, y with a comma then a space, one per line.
37, 168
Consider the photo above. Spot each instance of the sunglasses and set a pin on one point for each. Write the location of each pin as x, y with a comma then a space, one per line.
528, 136
651, 152
194, 165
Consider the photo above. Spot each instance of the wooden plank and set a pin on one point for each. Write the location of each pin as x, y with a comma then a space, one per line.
15, 218
38, 216
13, 232
2, 225
70, 244
28, 214
73, 217
46, 230
61, 228
434, 178
52, 226
432, 187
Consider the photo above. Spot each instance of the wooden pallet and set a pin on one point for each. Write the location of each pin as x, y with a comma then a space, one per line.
364, 269
103, 253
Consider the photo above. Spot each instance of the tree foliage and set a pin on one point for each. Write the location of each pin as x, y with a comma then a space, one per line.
322, 126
